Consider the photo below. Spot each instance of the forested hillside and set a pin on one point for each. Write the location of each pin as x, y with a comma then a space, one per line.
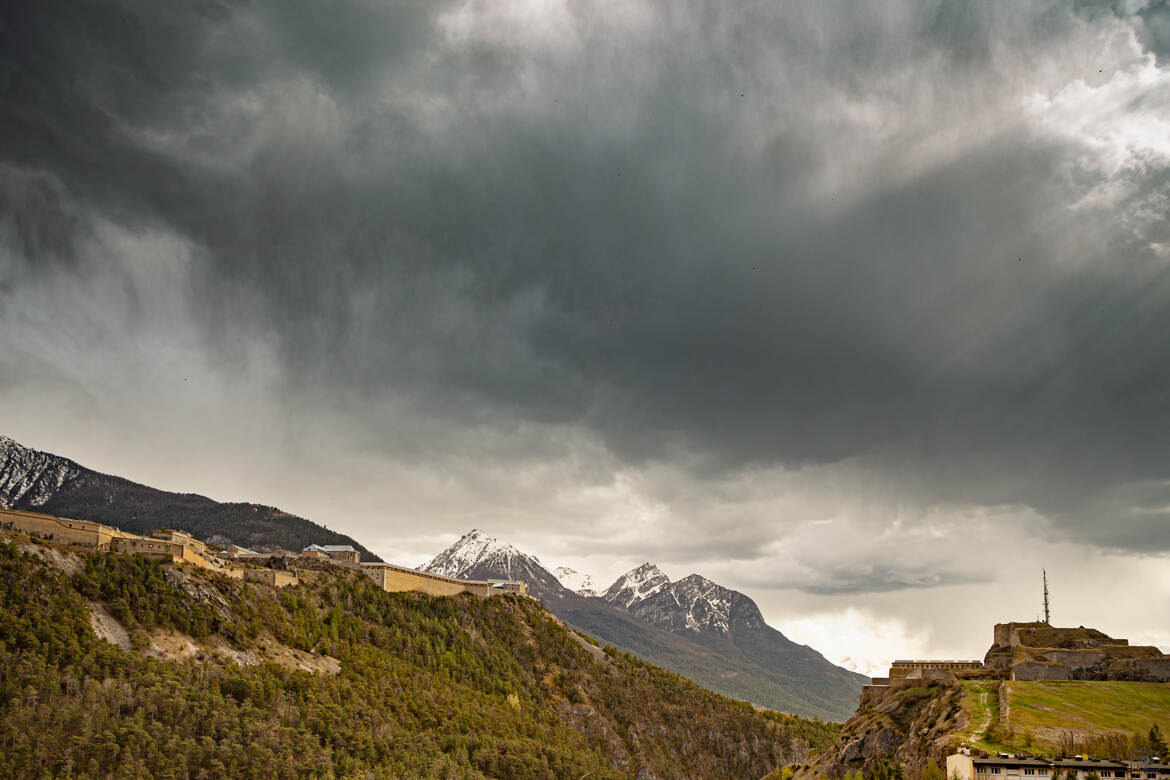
407, 685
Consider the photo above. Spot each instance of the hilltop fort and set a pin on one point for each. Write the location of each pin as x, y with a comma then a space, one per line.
1038, 651
276, 568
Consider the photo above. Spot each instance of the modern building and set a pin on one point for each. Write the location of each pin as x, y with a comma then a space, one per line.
1010, 767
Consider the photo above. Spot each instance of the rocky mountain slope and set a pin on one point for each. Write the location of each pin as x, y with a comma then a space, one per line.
710, 634
43, 482
337, 678
636, 585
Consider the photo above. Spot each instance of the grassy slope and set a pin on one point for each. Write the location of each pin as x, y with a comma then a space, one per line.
1097, 707
1044, 711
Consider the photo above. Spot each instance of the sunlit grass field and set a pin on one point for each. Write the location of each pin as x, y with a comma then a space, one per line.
1118, 707
1039, 714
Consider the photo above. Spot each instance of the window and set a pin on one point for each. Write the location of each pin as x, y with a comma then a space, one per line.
1043, 772
1029, 770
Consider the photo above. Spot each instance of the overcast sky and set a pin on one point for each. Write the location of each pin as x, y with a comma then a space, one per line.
861, 308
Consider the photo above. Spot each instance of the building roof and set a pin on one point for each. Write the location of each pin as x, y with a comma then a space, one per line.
1071, 763
328, 548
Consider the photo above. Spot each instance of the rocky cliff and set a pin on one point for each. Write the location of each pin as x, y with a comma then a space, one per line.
909, 727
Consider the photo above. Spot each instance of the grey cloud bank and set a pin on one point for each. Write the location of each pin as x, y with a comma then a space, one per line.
673, 278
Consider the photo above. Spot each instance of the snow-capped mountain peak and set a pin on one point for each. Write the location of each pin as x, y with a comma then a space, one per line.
479, 556
473, 548
696, 604
636, 585
579, 583
30, 477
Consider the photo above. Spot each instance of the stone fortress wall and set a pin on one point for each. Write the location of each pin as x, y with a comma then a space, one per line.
1039, 651
395, 579
1031, 652
912, 674
177, 547
174, 547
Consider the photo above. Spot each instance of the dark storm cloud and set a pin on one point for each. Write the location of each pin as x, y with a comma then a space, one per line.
770, 235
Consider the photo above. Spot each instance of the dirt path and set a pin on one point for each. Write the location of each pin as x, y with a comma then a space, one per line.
1005, 707
985, 706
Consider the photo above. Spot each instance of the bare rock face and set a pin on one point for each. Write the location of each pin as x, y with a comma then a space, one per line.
636, 585
1039, 671
697, 604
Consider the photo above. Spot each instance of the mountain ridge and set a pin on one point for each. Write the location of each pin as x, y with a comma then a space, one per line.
700, 629
44, 482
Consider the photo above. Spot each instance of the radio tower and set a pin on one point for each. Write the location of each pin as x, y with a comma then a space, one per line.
1045, 571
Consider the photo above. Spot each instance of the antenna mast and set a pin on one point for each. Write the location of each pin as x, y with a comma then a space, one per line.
1045, 571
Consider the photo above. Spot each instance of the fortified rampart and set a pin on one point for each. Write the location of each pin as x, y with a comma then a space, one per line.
395, 579
905, 668
166, 545
177, 547
81, 533
1038, 651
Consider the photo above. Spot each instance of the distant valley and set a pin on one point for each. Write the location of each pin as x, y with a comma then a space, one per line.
695, 627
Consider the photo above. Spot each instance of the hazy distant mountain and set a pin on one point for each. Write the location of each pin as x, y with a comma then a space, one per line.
581, 584
695, 627
43, 482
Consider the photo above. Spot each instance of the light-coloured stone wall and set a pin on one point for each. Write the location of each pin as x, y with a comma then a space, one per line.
396, 579
179, 537
273, 577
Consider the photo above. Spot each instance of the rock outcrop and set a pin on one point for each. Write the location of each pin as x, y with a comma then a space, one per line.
908, 726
